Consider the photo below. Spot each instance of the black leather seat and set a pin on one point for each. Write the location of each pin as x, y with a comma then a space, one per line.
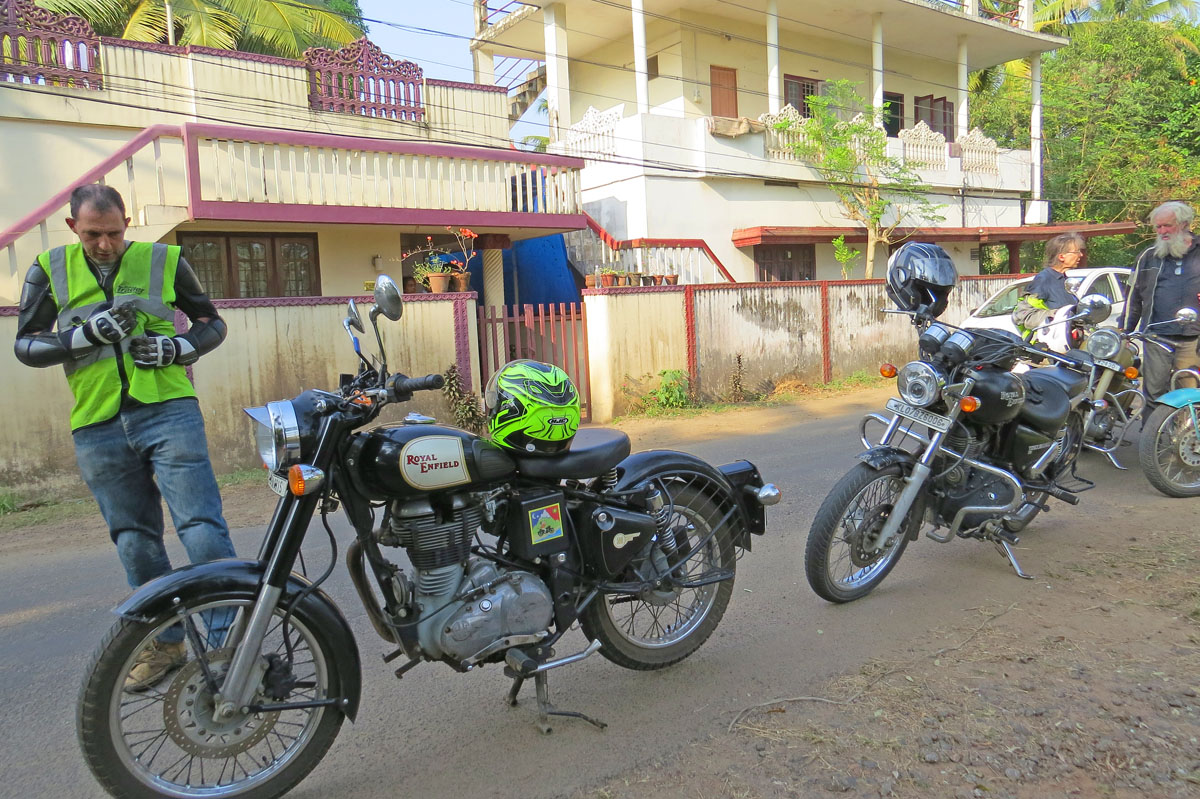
1046, 401
593, 452
1073, 382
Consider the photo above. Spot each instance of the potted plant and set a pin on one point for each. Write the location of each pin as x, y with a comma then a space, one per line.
647, 280
460, 278
428, 267
608, 276
671, 280
589, 280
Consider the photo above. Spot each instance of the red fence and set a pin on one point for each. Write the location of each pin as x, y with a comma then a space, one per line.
555, 333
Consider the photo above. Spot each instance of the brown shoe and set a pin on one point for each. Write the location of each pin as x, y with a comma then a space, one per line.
153, 663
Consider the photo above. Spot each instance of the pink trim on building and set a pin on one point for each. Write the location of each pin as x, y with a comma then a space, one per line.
462, 337
634, 244
359, 215
454, 84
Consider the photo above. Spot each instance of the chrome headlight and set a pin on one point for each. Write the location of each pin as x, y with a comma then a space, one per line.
277, 434
920, 383
1103, 344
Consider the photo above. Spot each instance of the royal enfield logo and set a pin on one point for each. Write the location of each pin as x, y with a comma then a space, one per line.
434, 462
621, 539
1011, 398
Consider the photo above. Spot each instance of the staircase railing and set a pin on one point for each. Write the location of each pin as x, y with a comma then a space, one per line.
691, 259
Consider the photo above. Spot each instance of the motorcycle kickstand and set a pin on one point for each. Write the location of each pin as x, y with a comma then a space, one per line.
545, 709
1006, 550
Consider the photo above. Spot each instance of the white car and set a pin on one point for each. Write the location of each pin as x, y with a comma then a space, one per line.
1109, 281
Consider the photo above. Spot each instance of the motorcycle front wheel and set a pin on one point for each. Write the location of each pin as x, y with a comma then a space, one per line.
838, 561
658, 627
164, 739
1170, 451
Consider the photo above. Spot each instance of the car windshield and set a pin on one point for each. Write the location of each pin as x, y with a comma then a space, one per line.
1003, 303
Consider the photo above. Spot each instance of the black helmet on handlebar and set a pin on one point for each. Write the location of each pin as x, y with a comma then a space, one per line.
919, 278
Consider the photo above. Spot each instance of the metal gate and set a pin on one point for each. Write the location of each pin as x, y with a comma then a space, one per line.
555, 333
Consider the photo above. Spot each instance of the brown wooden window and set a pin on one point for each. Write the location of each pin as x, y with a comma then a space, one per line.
797, 90
936, 112
723, 81
244, 265
893, 113
785, 262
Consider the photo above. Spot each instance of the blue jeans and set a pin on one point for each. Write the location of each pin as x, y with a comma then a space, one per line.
120, 461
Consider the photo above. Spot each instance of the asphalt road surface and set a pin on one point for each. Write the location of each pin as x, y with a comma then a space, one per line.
437, 733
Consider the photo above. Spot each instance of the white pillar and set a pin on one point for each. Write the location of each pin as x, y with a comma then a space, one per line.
1026, 15
971, 8
639, 57
774, 83
558, 82
877, 60
1035, 125
963, 115
485, 67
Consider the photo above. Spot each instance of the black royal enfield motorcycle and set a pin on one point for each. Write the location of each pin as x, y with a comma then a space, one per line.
645, 563
970, 450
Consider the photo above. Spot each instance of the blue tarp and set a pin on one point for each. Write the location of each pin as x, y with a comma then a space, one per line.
542, 273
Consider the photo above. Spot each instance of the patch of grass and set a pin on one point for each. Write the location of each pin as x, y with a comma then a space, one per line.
255, 474
855, 381
8, 502
48, 513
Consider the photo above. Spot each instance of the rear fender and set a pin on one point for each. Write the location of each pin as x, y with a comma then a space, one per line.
241, 579
641, 466
1180, 397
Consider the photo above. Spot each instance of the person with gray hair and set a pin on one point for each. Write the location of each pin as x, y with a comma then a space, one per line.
1166, 278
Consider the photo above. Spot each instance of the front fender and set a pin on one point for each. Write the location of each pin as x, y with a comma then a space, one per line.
881, 457
641, 466
241, 579
1180, 397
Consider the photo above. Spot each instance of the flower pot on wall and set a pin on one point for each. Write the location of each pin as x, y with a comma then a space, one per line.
589, 281
671, 279
460, 281
438, 282
607, 280
658, 279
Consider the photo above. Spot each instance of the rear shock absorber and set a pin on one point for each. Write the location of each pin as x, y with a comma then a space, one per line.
608, 480
662, 518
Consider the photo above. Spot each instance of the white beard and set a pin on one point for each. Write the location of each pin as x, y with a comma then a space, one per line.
1174, 246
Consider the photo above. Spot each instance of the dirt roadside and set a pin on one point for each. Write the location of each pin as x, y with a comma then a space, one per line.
1088, 692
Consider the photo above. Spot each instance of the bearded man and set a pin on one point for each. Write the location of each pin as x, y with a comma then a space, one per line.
1165, 279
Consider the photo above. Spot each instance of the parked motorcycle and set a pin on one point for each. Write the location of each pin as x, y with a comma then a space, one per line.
1170, 447
970, 449
511, 541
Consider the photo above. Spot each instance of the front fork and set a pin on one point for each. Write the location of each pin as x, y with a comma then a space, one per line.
278, 554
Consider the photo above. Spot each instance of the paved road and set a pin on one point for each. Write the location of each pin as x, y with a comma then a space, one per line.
440, 734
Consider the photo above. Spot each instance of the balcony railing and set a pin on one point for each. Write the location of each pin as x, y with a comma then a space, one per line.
40, 47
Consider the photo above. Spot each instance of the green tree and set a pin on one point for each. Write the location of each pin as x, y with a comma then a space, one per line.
274, 27
845, 142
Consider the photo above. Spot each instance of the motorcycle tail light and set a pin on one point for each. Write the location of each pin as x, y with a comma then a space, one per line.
969, 404
887, 370
1131, 372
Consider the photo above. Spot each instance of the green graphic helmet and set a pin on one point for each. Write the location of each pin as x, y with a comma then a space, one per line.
532, 408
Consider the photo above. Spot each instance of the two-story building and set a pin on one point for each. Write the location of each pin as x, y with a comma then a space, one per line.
674, 104
280, 178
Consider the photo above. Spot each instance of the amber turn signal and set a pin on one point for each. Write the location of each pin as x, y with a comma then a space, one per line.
1131, 372
969, 404
304, 479
887, 370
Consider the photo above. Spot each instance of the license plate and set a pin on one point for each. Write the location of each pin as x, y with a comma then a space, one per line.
277, 484
1116, 367
932, 420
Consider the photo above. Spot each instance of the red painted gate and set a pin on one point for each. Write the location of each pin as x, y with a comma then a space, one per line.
555, 333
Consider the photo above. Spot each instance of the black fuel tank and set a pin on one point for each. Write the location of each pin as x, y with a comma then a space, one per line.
1000, 393
414, 459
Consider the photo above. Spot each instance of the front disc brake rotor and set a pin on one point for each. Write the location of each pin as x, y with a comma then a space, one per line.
1188, 447
188, 713
864, 541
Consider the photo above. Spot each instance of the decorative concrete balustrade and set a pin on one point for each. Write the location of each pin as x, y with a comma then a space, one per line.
47, 49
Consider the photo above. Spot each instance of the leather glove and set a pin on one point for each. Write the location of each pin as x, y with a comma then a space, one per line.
109, 325
154, 352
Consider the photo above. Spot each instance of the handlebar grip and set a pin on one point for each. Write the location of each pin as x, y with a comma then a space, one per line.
427, 383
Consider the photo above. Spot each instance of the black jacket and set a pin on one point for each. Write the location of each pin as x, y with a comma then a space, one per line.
1139, 306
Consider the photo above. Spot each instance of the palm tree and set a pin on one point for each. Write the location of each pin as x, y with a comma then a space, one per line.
283, 28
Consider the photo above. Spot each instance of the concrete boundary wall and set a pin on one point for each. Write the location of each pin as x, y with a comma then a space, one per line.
275, 349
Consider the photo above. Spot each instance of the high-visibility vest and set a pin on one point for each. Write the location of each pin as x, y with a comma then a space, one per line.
144, 279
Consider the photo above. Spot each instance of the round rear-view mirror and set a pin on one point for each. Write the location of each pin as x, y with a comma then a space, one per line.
1094, 308
387, 298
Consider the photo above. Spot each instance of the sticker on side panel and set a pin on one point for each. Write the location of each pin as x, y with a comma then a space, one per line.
545, 524
434, 462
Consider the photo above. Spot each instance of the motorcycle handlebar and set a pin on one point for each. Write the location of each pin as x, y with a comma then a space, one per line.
408, 385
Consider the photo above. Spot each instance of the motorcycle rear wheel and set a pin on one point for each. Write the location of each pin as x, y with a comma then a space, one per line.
164, 741
1170, 451
659, 628
859, 503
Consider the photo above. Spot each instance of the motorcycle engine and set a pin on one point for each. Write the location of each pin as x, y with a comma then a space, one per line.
496, 602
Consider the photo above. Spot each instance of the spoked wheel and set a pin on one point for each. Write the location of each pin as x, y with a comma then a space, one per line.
843, 560
1170, 451
663, 625
166, 738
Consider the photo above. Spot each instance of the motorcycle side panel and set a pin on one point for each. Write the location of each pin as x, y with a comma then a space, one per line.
1180, 397
410, 460
235, 579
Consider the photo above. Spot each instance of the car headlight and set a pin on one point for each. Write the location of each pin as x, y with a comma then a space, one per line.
920, 383
277, 434
1104, 344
